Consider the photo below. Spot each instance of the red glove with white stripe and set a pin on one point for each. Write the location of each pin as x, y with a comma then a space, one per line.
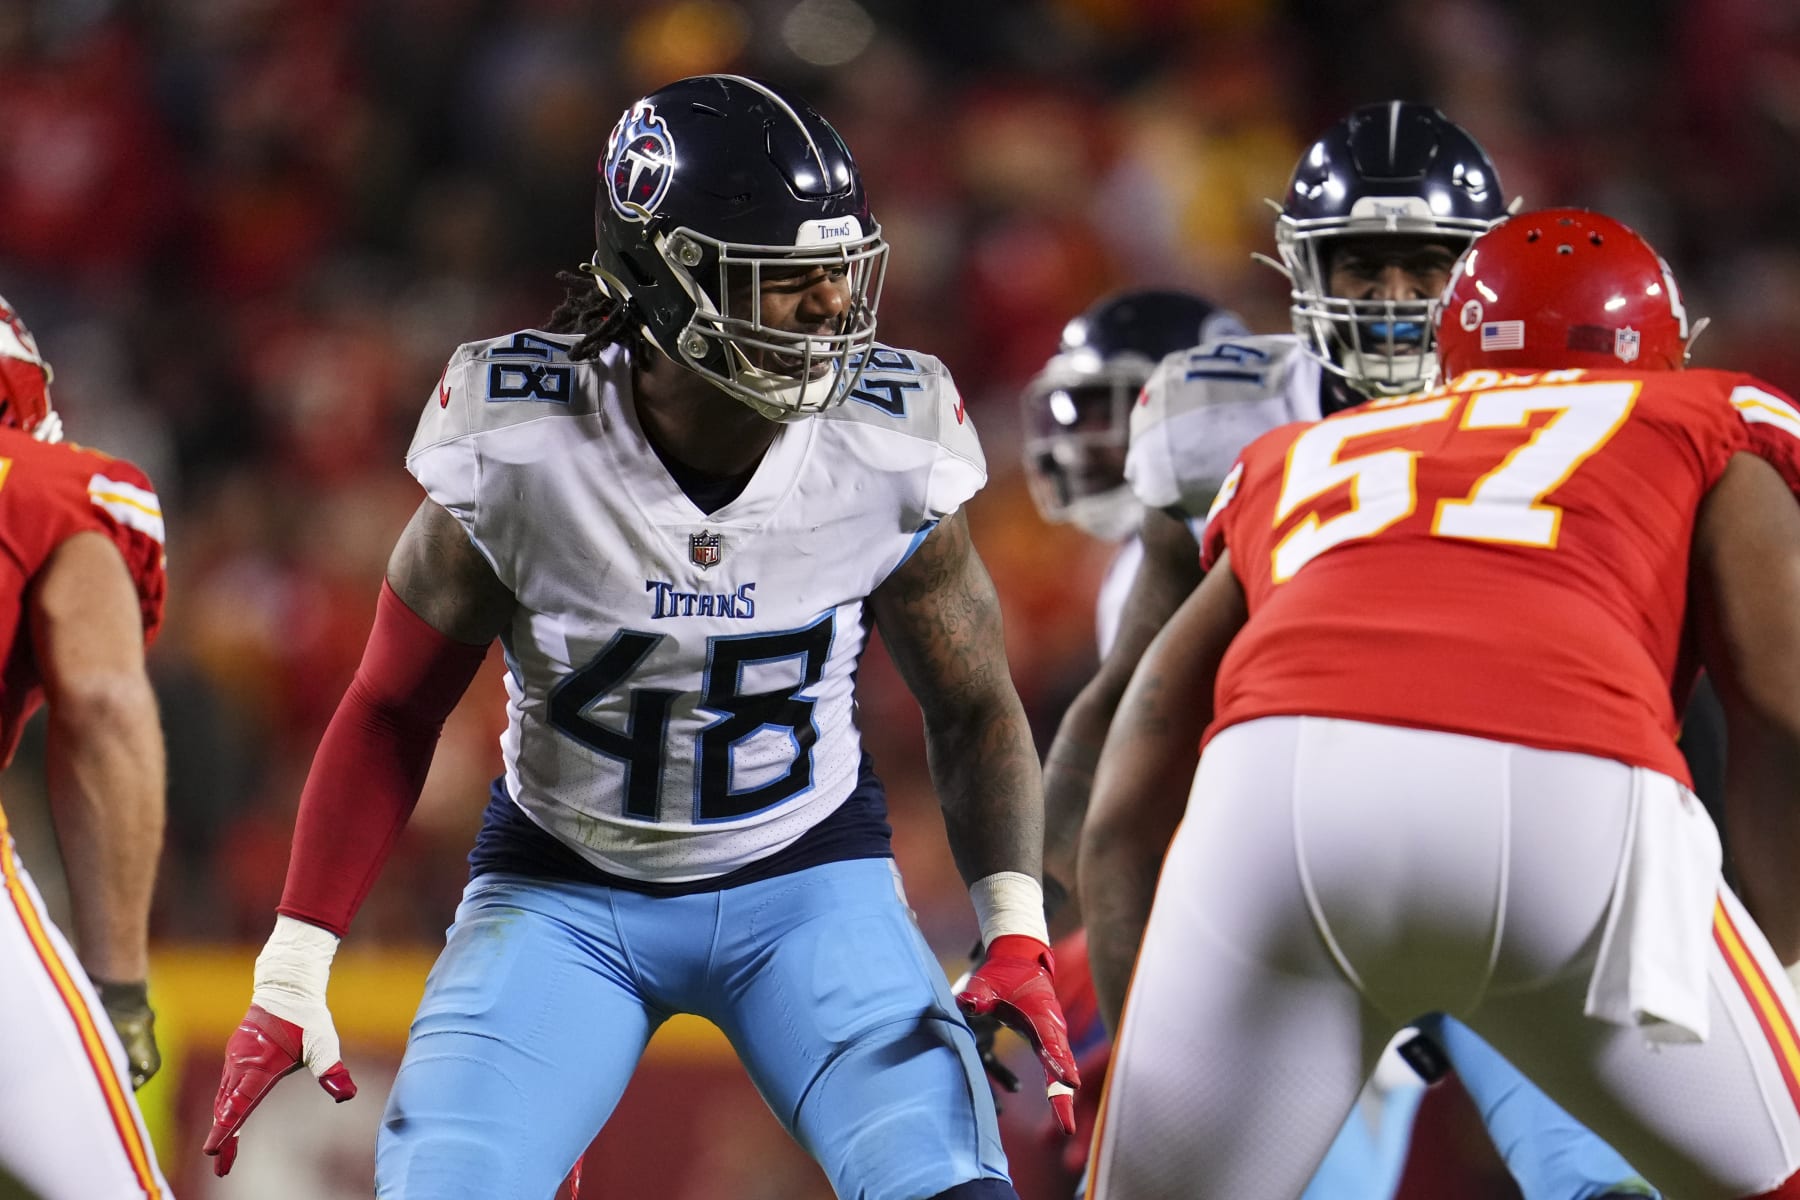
1016, 983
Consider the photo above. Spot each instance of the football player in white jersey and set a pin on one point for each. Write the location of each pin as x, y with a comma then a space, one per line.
1077, 419
680, 509
1373, 219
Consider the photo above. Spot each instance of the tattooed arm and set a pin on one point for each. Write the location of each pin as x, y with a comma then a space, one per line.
940, 619
1146, 769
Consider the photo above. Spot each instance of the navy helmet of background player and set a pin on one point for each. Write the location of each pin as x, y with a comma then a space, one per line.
1077, 410
706, 185
1386, 170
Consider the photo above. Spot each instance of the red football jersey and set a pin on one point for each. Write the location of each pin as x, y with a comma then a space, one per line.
1505, 557
49, 493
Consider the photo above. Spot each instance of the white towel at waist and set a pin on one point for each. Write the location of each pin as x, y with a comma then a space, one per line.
1651, 973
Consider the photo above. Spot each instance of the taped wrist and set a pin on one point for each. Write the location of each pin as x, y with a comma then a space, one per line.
290, 979
1009, 902
294, 964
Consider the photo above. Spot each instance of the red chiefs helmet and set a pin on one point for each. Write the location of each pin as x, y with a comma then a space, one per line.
24, 380
1558, 288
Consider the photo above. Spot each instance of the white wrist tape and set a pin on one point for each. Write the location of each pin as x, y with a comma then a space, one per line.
1009, 902
290, 978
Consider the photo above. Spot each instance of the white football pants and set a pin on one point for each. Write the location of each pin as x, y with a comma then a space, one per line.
69, 1128
1334, 879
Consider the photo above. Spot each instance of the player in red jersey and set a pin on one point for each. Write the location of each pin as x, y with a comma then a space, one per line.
1435, 666
81, 594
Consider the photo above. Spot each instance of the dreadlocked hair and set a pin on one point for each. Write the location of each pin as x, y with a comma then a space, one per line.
600, 319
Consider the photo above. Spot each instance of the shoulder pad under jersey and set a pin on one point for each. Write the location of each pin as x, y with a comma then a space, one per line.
1202, 406
495, 384
907, 402
504, 381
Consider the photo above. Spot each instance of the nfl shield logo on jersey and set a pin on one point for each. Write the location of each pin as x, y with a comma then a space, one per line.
704, 548
1625, 344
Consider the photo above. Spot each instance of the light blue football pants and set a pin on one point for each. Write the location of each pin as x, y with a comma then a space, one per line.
537, 1012
1550, 1155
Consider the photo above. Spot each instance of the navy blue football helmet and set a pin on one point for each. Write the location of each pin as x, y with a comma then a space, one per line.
1077, 410
705, 185
1393, 169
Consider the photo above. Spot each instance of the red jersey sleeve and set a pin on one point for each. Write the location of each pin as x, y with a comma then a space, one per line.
1773, 423
1260, 461
48, 494
1213, 537
123, 505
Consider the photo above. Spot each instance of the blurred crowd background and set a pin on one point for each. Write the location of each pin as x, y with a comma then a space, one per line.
249, 233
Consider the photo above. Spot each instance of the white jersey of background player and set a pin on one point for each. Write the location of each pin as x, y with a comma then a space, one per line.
725, 643
1077, 414
1372, 221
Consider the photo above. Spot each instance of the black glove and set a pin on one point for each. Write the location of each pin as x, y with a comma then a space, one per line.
128, 1005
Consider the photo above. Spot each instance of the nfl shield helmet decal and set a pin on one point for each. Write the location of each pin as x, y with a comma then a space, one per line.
1625, 344
705, 549
640, 163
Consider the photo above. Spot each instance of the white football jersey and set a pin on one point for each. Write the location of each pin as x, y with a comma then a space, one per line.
680, 685
1109, 604
1201, 407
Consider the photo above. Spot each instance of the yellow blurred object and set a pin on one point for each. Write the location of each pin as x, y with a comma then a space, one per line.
691, 37
200, 995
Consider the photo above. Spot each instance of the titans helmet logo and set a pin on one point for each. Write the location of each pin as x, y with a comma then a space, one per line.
640, 162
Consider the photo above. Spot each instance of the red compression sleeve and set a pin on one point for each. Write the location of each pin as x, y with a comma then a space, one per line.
371, 763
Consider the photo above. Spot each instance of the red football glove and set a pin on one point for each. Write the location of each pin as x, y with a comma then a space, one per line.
260, 1051
1016, 983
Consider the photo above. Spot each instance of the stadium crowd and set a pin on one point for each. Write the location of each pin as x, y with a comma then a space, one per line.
250, 233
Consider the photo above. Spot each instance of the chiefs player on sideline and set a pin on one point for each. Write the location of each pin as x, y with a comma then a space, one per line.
81, 594
1435, 662
681, 510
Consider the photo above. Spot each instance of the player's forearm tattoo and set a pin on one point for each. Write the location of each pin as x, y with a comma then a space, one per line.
940, 619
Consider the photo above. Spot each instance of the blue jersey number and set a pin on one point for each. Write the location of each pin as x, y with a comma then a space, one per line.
641, 744
1229, 360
